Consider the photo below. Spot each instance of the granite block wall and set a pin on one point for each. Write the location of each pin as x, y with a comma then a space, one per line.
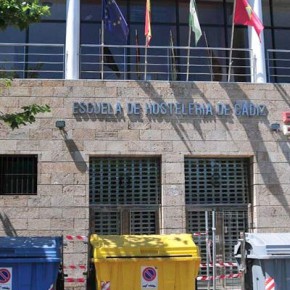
168, 120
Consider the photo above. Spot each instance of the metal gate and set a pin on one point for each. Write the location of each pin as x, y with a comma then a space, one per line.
125, 195
219, 187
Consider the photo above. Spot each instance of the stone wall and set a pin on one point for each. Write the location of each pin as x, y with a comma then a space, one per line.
61, 204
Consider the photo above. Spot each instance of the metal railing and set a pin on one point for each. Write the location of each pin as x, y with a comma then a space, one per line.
278, 62
168, 63
163, 63
18, 60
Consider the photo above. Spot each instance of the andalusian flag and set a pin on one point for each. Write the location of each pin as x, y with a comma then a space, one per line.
193, 21
245, 15
148, 33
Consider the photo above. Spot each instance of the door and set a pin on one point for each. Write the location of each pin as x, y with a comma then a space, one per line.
219, 186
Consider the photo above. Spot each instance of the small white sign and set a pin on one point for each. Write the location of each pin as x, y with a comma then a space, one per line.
149, 277
5, 278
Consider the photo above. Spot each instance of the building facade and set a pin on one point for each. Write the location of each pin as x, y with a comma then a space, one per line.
142, 158
146, 147
69, 41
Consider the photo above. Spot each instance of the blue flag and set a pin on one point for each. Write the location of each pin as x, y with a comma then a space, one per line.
114, 20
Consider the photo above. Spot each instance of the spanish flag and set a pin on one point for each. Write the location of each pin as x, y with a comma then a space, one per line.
245, 15
148, 33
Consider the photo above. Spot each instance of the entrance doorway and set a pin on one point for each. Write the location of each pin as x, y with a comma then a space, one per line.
217, 194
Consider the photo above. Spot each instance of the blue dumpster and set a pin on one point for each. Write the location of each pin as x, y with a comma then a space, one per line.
29, 263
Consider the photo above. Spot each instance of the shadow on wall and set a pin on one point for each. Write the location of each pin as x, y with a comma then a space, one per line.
271, 180
283, 93
185, 93
180, 94
74, 152
7, 225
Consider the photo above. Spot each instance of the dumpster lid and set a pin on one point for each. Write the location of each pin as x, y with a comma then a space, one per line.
143, 246
268, 244
30, 247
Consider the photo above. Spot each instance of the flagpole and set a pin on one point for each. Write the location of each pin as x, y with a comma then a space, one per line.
172, 60
145, 69
210, 56
137, 68
102, 47
232, 42
148, 34
188, 54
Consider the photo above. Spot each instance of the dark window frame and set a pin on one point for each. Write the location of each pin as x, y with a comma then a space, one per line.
18, 174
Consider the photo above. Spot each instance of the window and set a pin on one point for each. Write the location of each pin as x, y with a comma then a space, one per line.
125, 195
18, 174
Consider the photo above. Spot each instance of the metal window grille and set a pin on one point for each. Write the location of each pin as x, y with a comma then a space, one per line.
143, 221
18, 174
125, 195
216, 181
106, 223
221, 185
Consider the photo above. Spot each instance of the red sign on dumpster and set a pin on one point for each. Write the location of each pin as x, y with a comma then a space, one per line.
149, 278
6, 278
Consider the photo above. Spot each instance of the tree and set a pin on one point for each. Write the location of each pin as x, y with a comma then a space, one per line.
21, 13
27, 116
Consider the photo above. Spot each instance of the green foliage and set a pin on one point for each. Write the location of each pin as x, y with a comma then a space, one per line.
21, 13
5, 82
15, 120
7, 74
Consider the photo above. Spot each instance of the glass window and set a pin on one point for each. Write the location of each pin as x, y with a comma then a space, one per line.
282, 40
38, 33
266, 13
268, 38
12, 35
91, 33
209, 12
162, 11
57, 9
91, 10
281, 12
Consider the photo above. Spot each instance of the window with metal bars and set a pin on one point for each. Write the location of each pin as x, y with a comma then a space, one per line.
125, 195
217, 181
18, 174
221, 185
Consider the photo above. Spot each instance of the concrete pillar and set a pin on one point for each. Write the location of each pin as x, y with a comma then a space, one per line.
258, 74
72, 41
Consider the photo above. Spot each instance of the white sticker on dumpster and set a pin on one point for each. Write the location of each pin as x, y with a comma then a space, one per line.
149, 278
5, 278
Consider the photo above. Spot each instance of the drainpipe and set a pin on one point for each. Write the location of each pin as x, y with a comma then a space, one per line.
72, 41
258, 64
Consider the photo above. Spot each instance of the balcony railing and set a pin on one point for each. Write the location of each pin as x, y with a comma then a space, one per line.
278, 62
163, 63
140, 63
31, 61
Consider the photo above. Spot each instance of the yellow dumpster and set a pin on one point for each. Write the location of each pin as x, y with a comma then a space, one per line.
139, 262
